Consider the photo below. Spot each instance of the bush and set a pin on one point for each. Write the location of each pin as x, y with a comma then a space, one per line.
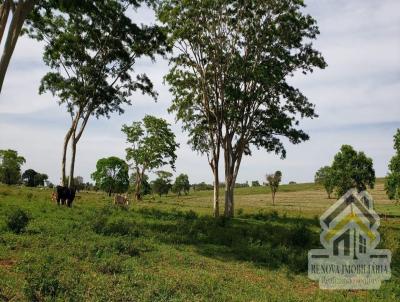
17, 220
301, 236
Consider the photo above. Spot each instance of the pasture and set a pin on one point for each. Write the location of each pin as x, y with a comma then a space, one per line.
171, 249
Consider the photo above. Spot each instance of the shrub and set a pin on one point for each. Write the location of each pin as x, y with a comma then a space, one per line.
17, 220
301, 236
29, 196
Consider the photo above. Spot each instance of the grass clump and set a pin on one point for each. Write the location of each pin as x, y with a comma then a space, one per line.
17, 220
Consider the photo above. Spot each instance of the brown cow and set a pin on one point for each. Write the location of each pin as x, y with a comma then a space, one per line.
121, 200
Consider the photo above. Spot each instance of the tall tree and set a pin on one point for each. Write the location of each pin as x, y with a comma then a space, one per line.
250, 49
10, 166
92, 50
352, 169
273, 181
324, 176
152, 145
111, 175
196, 77
392, 181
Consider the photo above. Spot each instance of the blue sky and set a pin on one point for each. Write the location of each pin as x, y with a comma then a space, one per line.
357, 98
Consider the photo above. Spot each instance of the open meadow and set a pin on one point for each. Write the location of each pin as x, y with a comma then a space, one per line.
171, 249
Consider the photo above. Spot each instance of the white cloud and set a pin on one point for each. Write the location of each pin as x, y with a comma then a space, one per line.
357, 98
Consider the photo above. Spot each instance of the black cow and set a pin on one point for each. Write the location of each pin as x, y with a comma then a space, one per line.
64, 195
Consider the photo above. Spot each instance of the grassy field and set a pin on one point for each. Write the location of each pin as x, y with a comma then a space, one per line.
170, 249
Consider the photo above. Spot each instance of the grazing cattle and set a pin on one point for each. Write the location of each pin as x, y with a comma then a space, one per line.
64, 195
121, 200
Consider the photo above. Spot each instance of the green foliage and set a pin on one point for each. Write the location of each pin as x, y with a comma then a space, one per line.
181, 184
91, 49
352, 169
162, 184
392, 182
202, 186
145, 188
10, 166
255, 183
111, 175
152, 145
230, 76
174, 250
325, 177
31, 178
17, 220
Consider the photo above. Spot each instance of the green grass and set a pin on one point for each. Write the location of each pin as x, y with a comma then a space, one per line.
170, 249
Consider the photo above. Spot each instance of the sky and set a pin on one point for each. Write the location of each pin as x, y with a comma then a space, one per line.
357, 98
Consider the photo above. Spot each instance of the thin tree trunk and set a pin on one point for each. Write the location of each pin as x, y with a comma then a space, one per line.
4, 12
71, 183
64, 158
137, 188
22, 9
216, 192
74, 142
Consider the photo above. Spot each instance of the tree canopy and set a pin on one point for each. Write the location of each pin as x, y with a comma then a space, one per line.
392, 182
181, 184
229, 77
10, 167
111, 175
31, 178
162, 184
92, 50
352, 169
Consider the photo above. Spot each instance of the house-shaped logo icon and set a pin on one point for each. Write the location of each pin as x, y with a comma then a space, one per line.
349, 237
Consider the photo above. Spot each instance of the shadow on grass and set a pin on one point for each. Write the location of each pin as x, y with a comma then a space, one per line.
266, 239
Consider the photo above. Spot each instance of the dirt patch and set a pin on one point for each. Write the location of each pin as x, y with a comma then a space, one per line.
7, 263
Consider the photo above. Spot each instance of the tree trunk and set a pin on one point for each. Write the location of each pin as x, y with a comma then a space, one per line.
4, 12
64, 158
138, 196
229, 200
273, 198
71, 183
22, 9
216, 192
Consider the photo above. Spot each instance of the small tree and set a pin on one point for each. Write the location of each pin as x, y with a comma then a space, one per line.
324, 176
40, 179
181, 185
10, 166
111, 175
152, 146
273, 182
352, 169
392, 182
162, 184
28, 177
255, 183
